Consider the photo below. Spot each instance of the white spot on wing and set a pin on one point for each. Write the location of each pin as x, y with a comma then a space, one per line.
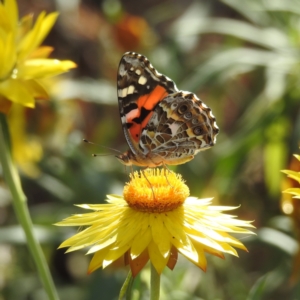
174, 128
138, 72
211, 115
122, 93
122, 70
130, 89
142, 80
123, 120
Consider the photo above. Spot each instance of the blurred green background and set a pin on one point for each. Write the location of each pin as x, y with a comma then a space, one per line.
242, 58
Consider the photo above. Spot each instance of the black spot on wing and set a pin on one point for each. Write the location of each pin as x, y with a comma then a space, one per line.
144, 114
130, 98
128, 108
136, 120
190, 96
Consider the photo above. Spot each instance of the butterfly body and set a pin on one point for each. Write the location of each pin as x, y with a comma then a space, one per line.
162, 125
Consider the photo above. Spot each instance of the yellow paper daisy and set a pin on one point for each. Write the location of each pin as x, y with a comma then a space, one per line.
23, 62
155, 223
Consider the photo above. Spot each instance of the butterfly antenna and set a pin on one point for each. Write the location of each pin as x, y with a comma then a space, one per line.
112, 149
101, 154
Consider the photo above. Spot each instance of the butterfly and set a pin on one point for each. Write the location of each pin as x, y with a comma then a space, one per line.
162, 125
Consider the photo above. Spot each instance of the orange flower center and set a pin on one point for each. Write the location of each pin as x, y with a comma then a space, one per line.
155, 190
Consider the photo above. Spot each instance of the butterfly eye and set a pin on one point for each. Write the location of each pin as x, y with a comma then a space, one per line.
198, 130
182, 109
188, 115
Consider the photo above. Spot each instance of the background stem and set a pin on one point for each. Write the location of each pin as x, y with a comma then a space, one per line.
154, 284
20, 207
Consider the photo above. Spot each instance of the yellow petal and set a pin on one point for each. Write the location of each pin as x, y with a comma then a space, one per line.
210, 250
35, 37
207, 241
140, 242
159, 262
44, 67
5, 23
293, 191
25, 26
202, 262
102, 244
292, 174
88, 218
79, 243
12, 11
36, 89
91, 236
41, 52
16, 91
160, 234
187, 249
114, 254
228, 249
7, 54
174, 224
97, 260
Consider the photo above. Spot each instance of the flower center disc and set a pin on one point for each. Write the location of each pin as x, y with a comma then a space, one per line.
155, 190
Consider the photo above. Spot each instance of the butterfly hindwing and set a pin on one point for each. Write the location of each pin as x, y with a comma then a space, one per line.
181, 126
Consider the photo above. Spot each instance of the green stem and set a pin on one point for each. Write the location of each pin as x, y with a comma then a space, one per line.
127, 287
155, 284
20, 206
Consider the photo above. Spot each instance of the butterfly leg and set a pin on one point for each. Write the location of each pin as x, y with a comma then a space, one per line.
131, 170
165, 173
151, 187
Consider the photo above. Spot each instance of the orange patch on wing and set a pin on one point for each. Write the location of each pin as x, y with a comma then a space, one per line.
148, 102
135, 131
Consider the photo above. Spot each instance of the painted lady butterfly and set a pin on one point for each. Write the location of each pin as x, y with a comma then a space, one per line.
162, 125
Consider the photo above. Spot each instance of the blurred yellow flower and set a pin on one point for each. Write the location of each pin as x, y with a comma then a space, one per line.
23, 62
291, 206
155, 223
27, 149
296, 176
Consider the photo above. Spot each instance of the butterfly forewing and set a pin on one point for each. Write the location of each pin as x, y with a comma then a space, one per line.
140, 88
